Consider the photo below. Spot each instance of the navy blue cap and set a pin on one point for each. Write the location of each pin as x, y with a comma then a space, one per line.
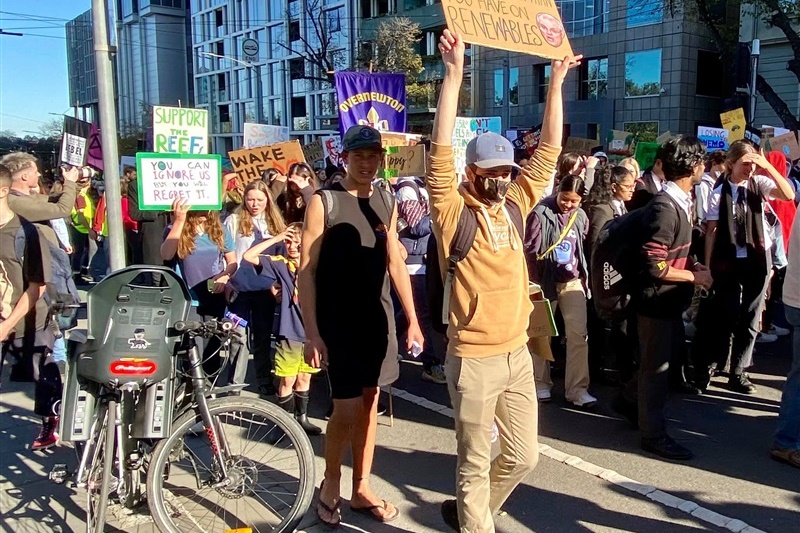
358, 137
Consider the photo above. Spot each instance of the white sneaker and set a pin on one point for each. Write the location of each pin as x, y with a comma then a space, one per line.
543, 395
584, 400
765, 337
779, 331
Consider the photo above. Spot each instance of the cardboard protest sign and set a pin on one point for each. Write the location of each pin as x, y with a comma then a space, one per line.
75, 142
664, 137
332, 148
734, 122
786, 144
528, 26
180, 130
620, 143
251, 164
404, 161
164, 178
714, 138
391, 138
772, 131
264, 134
313, 151
646, 153
580, 146
468, 128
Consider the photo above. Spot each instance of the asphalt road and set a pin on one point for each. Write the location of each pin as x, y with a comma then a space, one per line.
732, 478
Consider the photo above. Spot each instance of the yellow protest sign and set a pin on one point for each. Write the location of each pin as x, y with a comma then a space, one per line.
251, 164
734, 122
528, 26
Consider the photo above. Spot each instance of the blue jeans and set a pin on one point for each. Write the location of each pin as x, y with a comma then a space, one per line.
788, 434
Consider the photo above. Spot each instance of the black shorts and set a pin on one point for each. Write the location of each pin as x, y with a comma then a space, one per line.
355, 366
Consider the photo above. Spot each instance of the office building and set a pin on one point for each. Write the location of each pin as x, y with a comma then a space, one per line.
81, 66
250, 64
152, 60
772, 64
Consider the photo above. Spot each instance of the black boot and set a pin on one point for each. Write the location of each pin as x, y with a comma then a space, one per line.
287, 404
301, 414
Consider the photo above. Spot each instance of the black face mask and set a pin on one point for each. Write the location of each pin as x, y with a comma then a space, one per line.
491, 190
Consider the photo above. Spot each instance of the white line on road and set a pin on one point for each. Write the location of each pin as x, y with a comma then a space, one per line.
658, 496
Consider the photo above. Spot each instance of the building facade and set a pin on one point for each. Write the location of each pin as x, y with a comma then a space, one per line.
81, 66
644, 71
250, 61
775, 53
153, 59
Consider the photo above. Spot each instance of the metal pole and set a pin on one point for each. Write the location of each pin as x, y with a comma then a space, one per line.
259, 95
108, 134
506, 95
755, 51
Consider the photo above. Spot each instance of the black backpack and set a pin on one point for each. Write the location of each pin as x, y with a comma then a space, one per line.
61, 290
615, 265
466, 229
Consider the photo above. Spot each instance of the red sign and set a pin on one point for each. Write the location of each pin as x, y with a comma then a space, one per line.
133, 367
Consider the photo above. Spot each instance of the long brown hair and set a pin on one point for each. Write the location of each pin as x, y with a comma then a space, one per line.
566, 162
212, 227
738, 150
291, 201
272, 214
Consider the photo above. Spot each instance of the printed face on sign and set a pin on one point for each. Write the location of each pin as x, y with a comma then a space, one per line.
551, 28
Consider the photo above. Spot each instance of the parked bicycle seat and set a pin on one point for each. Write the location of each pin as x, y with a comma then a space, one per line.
129, 338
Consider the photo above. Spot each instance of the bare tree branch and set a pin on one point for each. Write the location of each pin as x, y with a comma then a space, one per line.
777, 104
778, 18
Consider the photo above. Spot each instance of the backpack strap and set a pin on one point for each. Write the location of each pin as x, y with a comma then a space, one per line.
515, 214
330, 205
564, 232
466, 230
26, 233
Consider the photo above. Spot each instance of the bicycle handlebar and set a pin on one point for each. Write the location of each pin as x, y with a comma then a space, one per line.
208, 328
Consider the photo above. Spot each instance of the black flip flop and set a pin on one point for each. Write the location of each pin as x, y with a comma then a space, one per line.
368, 511
332, 510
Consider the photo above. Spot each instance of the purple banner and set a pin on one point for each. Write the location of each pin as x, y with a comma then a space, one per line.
377, 100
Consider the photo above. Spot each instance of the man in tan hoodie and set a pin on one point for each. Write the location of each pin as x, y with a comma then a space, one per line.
489, 369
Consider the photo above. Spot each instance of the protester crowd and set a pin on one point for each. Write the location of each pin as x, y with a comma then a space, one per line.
444, 271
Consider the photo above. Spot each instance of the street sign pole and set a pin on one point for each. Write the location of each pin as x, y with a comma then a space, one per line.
108, 135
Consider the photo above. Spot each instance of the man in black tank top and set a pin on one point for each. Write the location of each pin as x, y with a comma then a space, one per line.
350, 255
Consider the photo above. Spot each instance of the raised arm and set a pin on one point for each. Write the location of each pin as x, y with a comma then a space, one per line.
527, 190
170, 245
442, 182
253, 254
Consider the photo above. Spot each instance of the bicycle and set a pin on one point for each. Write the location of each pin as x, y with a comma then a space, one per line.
211, 463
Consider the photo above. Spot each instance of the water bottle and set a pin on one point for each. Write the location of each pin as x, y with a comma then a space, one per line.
237, 320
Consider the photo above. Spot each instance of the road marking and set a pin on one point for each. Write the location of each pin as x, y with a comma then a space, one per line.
650, 492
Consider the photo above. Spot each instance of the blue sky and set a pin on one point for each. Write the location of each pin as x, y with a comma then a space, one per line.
33, 68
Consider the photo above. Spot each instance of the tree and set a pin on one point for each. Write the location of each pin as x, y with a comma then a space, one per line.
52, 128
778, 13
8, 134
318, 45
395, 48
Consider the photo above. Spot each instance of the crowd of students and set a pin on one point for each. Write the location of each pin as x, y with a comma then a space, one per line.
283, 256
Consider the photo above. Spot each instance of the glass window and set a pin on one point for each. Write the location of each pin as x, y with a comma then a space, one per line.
644, 12
580, 17
513, 86
277, 112
499, 83
257, 11
709, 74
643, 73
277, 37
594, 79
202, 90
544, 82
277, 10
642, 131
276, 74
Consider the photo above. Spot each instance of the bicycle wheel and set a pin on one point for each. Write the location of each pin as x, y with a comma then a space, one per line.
99, 475
269, 462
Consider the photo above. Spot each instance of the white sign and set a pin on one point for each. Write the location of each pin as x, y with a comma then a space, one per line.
256, 135
468, 128
250, 49
164, 178
73, 150
180, 130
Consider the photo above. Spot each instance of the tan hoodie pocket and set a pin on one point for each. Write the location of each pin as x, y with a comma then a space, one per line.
494, 312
